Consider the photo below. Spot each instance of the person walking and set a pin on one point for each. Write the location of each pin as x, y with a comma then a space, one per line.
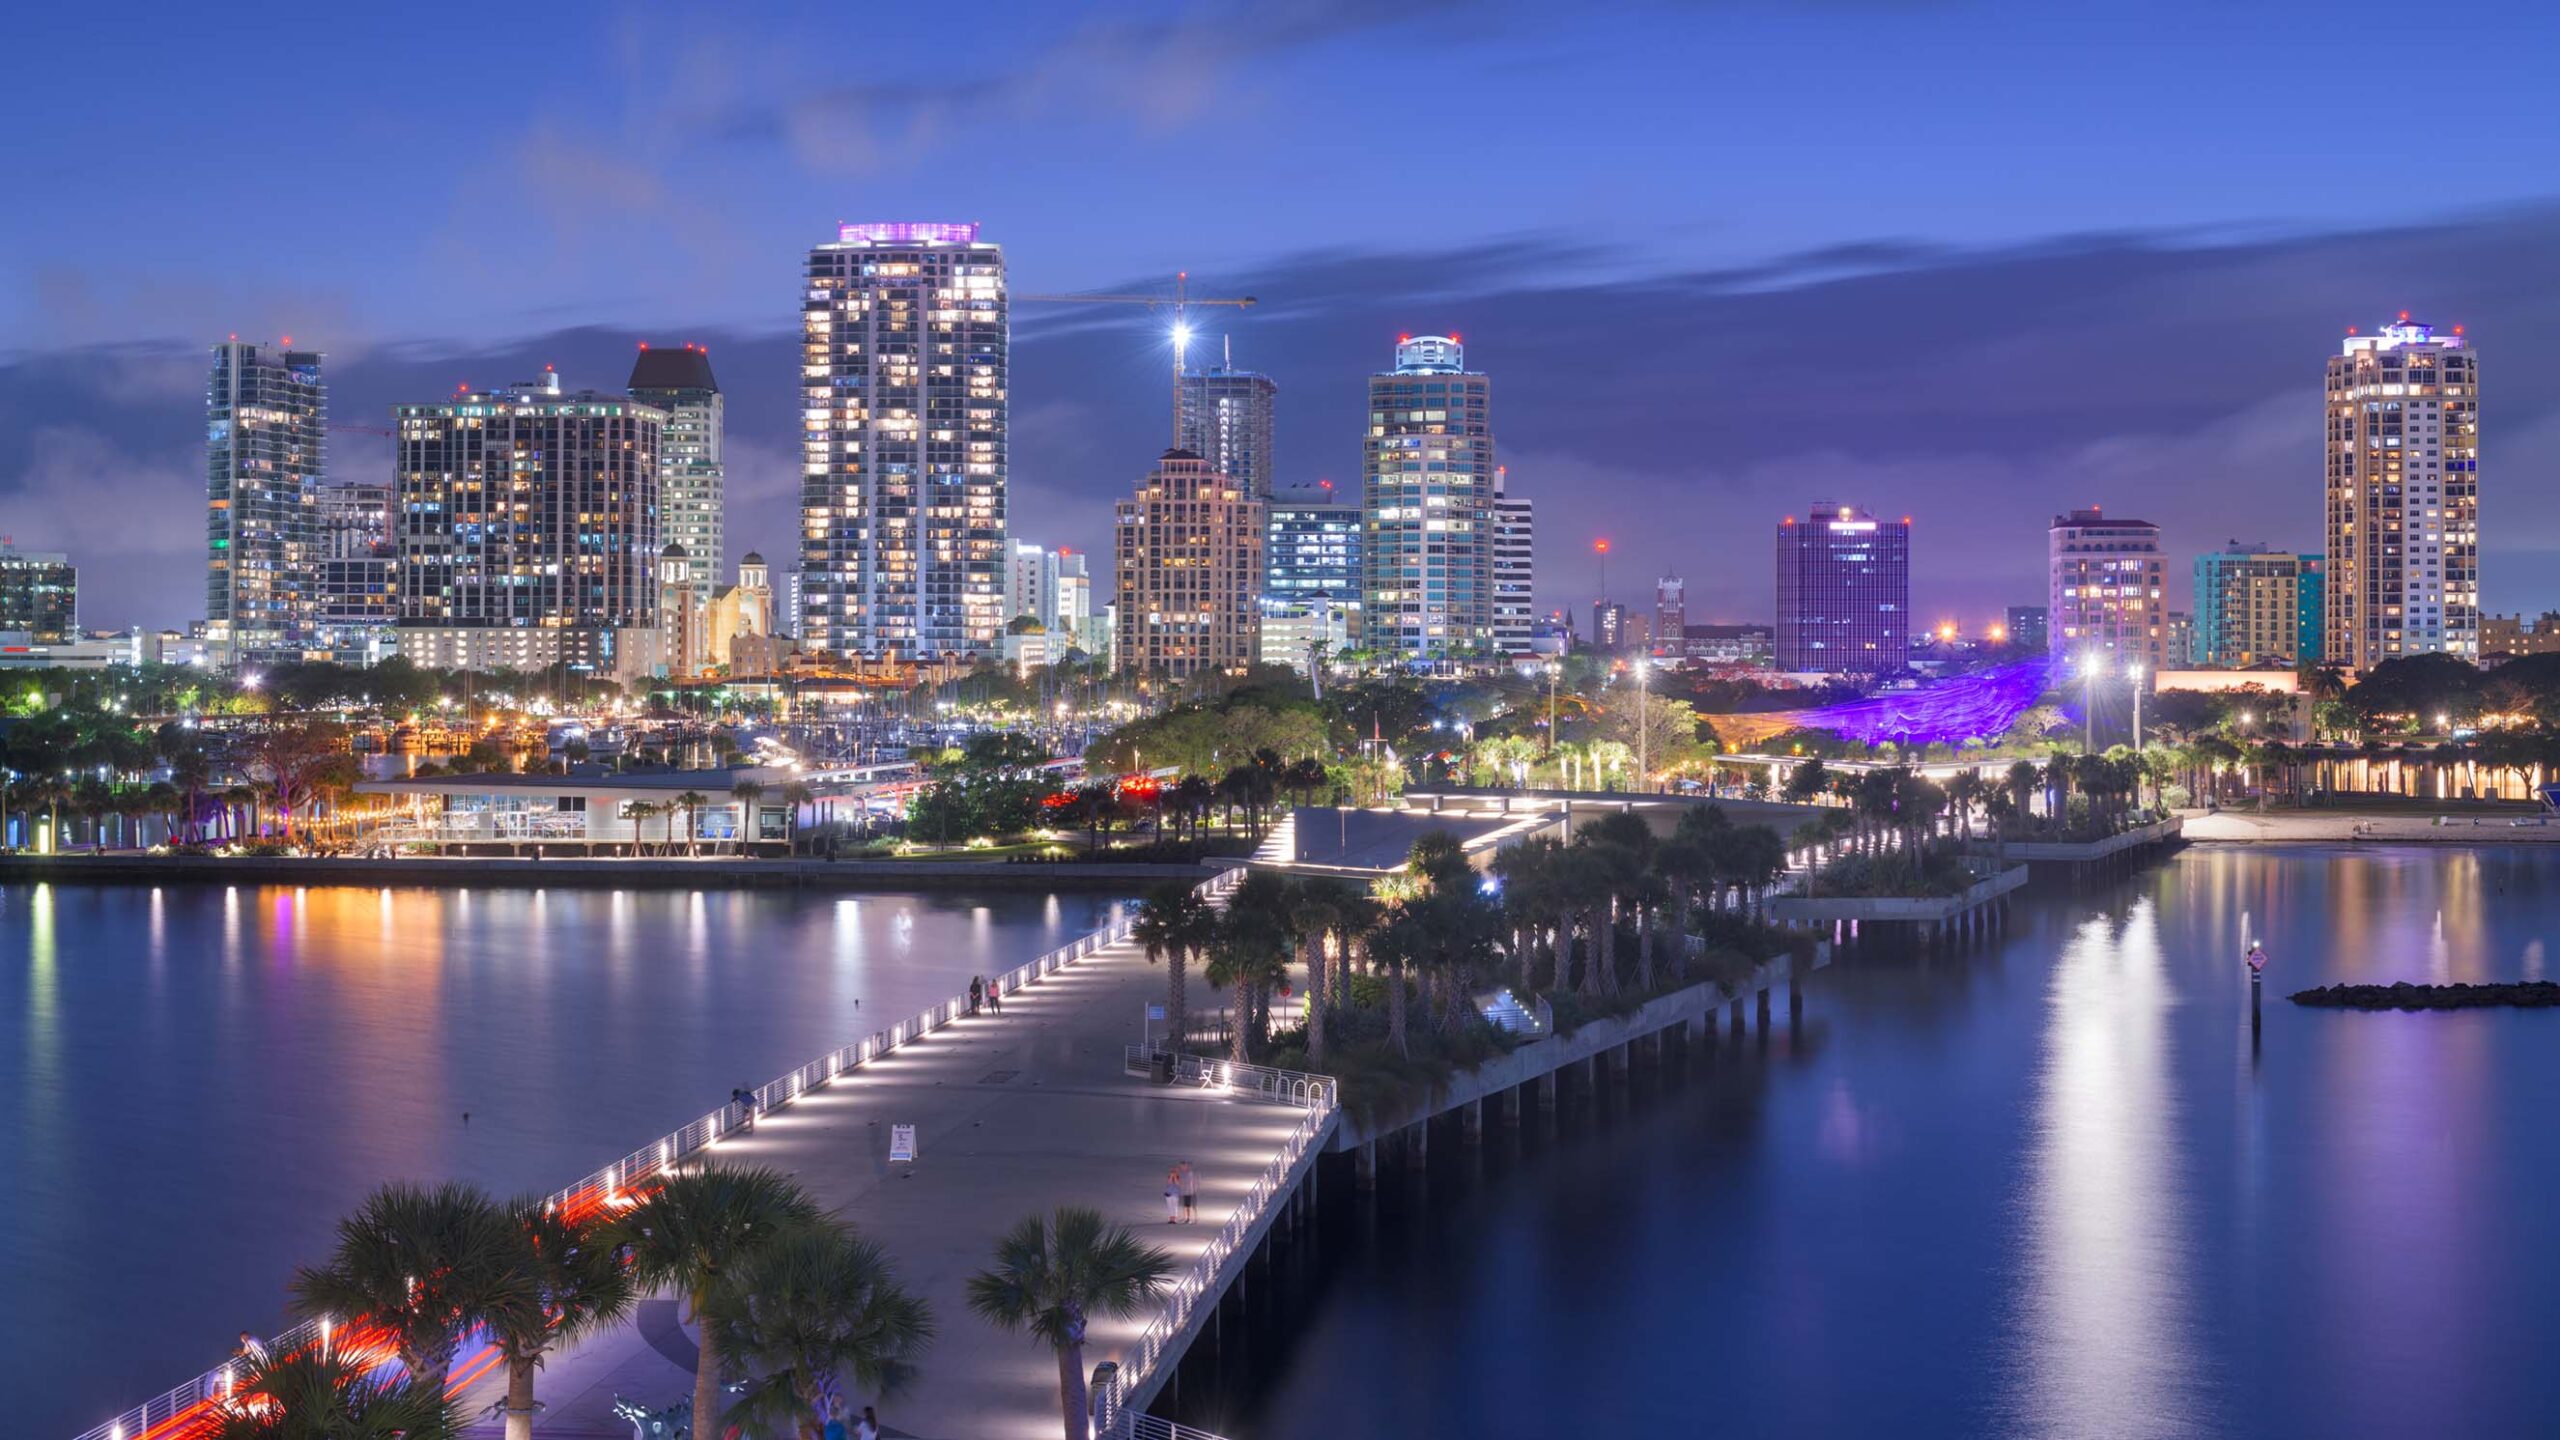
977, 992
868, 1427
1189, 1180
1173, 1196
995, 998
835, 1428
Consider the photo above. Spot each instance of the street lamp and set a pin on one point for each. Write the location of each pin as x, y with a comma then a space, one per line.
2134, 672
2089, 700
1644, 770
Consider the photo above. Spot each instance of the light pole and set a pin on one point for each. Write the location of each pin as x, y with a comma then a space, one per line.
2135, 671
1644, 769
1555, 676
2089, 700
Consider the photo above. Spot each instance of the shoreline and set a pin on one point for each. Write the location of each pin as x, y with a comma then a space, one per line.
654, 873
2298, 827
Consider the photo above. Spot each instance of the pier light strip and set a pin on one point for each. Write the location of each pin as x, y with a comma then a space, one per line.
191, 1409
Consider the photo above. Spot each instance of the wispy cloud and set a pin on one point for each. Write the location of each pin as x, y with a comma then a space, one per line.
1160, 72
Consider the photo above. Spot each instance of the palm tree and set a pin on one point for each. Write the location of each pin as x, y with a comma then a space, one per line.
695, 1229
1318, 912
802, 1313
425, 1266
1053, 1274
746, 792
640, 813
578, 1286
691, 801
320, 1393
1249, 953
1174, 924
799, 795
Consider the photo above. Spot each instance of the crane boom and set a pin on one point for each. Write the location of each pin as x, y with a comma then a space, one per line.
1181, 300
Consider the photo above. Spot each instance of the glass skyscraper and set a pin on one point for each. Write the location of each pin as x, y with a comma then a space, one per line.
1844, 592
266, 425
903, 414
1226, 420
692, 480
1428, 484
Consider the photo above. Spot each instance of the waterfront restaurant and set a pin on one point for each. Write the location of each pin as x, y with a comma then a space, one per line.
736, 810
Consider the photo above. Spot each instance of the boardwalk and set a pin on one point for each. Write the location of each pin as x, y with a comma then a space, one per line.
1012, 1113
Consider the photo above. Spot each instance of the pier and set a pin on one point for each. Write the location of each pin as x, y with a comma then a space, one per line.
1015, 1113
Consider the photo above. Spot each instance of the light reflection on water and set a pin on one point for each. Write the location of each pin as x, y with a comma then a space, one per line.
195, 1080
2104, 1340
2047, 1188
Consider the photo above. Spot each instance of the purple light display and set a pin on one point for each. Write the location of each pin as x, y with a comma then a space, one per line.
908, 232
1968, 707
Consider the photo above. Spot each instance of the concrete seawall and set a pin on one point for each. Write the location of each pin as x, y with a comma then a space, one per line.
1681, 1017
724, 874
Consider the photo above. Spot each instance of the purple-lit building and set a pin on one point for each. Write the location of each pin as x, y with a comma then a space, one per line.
1844, 592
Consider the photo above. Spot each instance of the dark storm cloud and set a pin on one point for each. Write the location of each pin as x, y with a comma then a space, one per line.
1679, 414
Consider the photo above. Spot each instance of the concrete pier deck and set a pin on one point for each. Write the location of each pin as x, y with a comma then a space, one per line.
1014, 1113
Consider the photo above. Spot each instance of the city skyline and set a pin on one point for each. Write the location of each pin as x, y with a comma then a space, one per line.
2243, 264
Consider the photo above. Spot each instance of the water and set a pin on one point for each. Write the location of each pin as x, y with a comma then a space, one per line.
2045, 1189
195, 1081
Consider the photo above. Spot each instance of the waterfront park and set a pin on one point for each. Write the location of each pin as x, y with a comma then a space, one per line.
1336, 922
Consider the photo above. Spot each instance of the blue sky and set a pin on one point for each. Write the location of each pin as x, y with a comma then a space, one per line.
1633, 212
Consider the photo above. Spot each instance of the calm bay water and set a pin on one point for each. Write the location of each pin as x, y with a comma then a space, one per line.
195, 1081
2048, 1188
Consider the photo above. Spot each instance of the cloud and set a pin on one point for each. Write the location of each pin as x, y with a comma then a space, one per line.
122, 518
1161, 72
1679, 413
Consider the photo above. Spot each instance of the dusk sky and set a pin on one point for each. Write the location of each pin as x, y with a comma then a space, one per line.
1970, 262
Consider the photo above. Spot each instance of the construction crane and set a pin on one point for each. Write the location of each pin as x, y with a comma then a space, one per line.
1181, 300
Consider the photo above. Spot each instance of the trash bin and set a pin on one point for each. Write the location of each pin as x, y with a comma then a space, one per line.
1164, 1067
1106, 1376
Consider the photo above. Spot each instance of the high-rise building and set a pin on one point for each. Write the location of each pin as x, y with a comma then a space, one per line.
528, 527
1515, 567
903, 408
1608, 626
39, 595
692, 477
1311, 557
1670, 611
2248, 606
2311, 597
353, 575
2178, 640
1226, 420
2107, 589
1189, 578
1427, 475
2028, 627
266, 428
2403, 497
1844, 592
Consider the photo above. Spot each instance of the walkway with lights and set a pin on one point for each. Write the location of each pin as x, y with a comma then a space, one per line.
1013, 1113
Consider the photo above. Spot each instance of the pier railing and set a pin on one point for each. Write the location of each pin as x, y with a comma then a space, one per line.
167, 1416
1319, 1097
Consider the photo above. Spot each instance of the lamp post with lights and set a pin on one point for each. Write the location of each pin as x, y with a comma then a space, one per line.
2134, 672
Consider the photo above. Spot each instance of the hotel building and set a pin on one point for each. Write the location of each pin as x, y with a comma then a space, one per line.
2403, 497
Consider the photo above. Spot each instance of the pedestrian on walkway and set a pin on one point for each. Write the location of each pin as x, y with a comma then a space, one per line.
1189, 1180
977, 991
995, 998
1173, 1196
869, 1428
835, 1427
